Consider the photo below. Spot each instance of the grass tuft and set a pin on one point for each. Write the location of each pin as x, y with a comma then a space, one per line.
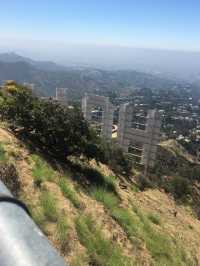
110, 180
62, 233
41, 171
69, 193
48, 204
154, 218
101, 250
109, 199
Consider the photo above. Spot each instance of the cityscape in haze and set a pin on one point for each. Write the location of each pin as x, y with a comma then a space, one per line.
100, 133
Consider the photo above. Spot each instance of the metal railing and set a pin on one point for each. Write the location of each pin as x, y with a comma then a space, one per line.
21, 242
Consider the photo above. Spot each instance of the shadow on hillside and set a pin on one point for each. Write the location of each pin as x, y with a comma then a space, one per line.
85, 175
90, 177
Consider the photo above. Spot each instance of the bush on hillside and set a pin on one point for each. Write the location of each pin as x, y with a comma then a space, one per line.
179, 187
115, 157
144, 183
56, 129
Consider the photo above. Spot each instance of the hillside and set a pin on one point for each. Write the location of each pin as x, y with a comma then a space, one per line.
47, 76
83, 194
42, 65
139, 227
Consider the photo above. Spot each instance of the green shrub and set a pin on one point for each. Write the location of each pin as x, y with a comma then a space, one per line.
179, 187
54, 128
109, 179
102, 252
113, 155
135, 188
41, 171
109, 199
48, 204
69, 193
144, 183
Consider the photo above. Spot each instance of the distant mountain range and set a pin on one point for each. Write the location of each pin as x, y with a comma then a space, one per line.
47, 76
42, 65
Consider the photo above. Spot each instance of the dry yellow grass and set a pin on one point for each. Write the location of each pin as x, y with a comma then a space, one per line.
184, 228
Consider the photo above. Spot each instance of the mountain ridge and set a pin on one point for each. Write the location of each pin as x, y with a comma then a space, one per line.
42, 65
78, 81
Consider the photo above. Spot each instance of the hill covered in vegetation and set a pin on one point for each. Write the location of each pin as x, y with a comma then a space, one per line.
83, 193
47, 76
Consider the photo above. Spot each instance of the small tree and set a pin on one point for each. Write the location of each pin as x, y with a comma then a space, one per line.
179, 187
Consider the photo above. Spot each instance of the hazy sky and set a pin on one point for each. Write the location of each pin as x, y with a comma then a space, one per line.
171, 24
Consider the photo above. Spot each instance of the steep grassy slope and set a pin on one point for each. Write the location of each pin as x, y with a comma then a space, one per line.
110, 224
173, 147
178, 172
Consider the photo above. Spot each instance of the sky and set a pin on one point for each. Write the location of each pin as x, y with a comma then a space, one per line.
163, 24
156, 36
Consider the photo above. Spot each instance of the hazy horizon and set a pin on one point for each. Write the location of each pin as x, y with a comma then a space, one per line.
153, 36
172, 63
